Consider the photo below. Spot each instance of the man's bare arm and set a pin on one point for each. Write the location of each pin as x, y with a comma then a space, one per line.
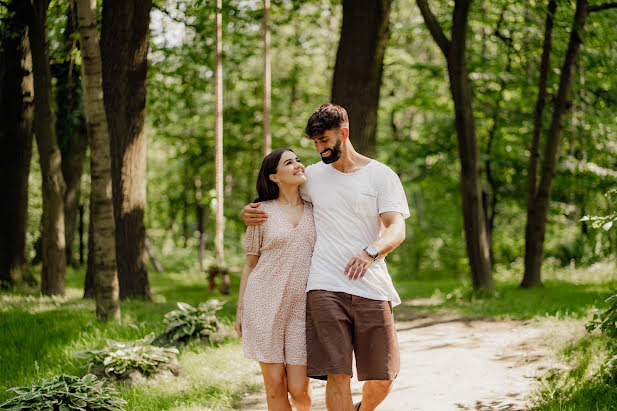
393, 235
251, 215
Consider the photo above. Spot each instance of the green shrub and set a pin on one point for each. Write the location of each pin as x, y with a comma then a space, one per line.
65, 392
188, 322
606, 321
119, 357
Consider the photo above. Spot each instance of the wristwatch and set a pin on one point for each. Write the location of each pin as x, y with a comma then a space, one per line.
372, 251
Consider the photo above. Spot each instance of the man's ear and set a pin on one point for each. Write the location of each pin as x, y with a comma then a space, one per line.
344, 133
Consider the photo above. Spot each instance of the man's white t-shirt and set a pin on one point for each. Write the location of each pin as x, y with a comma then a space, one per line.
346, 208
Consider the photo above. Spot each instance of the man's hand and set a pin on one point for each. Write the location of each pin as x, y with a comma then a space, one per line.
251, 215
357, 266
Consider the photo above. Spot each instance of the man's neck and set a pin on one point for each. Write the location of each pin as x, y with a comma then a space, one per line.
351, 161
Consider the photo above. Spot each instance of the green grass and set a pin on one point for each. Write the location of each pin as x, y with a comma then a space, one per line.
39, 336
566, 292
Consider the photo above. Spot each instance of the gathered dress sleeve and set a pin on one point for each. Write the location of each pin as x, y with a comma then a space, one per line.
253, 240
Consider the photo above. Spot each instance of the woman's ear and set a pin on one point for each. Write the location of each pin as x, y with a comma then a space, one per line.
273, 178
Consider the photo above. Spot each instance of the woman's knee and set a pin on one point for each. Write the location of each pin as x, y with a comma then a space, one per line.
276, 385
299, 390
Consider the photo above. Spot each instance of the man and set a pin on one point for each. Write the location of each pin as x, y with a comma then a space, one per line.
359, 208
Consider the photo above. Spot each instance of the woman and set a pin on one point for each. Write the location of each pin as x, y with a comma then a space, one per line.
272, 299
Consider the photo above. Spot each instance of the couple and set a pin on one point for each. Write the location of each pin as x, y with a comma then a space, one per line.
315, 289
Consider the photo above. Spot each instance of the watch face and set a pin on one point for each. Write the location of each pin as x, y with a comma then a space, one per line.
372, 251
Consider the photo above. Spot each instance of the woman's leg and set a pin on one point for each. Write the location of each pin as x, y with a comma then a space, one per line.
299, 387
275, 381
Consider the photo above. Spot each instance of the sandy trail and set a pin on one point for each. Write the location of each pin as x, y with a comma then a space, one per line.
456, 364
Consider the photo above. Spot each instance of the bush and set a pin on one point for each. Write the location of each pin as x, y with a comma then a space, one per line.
188, 322
117, 358
66, 392
606, 321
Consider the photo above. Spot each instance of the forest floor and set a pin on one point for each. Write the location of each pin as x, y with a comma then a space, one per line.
459, 363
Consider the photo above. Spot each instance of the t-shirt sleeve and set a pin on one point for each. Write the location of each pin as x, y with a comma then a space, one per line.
305, 188
304, 192
253, 240
391, 195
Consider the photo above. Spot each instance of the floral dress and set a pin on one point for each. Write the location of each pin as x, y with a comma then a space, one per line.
274, 305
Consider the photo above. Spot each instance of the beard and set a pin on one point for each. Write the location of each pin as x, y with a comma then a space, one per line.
335, 153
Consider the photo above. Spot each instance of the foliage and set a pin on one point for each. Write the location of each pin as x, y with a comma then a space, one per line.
606, 222
188, 322
65, 392
119, 357
606, 321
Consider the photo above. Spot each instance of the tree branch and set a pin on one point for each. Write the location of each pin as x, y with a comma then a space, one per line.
603, 6
434, 27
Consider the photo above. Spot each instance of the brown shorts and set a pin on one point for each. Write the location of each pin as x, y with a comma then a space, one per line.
339, 325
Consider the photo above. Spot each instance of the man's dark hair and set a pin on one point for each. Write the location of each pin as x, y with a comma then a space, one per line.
326, 117
266, 188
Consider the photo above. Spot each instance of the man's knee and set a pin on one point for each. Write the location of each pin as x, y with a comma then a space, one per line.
339, 380
379, 385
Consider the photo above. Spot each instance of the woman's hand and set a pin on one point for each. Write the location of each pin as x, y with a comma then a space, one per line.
238, 324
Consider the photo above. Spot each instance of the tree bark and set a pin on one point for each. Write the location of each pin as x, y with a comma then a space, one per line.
476, 236
16, 117
70, 129
54, 257
359, 66
107, 291
267, 81
124, 49
218, 137
538, 204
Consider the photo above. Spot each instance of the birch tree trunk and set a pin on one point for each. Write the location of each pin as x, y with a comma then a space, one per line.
267, 81
53, 250
107, 292
218, 114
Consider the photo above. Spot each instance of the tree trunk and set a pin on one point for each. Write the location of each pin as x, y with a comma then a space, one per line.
70, 129
476, 237
538, 205
267, 81
107, 291
89, 284
16, 116
54, 257
124, 49
218, 137
359, 65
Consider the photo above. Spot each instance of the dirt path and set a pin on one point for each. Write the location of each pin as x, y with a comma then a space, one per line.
456, 364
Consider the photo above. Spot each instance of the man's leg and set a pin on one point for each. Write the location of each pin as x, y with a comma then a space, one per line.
338, 393
373, 393
275, 381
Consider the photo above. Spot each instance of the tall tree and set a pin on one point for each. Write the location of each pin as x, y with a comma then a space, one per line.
359, 66
16, 116
538, 201
454, 50
124, 49
70, 126
54, 257
267, 80
102, 218
218, 136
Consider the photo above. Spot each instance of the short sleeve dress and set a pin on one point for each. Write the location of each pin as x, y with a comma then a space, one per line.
274, 304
